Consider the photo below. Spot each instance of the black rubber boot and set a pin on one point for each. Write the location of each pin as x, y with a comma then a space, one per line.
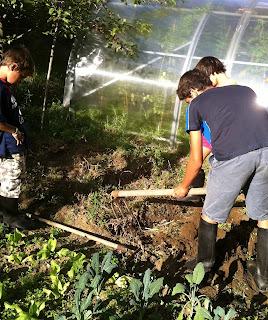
259, 269
12, 217
207, 234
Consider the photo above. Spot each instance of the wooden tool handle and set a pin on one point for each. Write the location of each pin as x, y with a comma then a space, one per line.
154, 193
88, 235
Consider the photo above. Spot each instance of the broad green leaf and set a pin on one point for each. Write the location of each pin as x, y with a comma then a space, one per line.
43, 254
48, 292
199, 314
155, 287
219, 311
179, 288
135, 287
189, 278
180, 316
206, 303
70, 273
64, 252
87, 315
146, 283
107, 264
51, 244
95, 281
230, 314
202, 313
77, 299
60, 318
16, 257
198, 273
1, 290
83, 280
15, 237
55, 267
77, 264
95, 262
87, 301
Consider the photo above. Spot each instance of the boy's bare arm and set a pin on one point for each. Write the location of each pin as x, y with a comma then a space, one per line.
194, 164
18, 136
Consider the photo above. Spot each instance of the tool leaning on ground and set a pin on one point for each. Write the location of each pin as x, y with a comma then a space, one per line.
94, 237
156, 193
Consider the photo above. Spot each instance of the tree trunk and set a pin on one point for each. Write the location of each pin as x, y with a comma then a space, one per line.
48, 74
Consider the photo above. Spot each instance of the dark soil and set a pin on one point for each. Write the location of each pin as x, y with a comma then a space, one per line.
164, 231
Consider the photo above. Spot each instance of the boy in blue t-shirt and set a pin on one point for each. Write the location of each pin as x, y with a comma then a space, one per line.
239, 139
15, 65
215, 70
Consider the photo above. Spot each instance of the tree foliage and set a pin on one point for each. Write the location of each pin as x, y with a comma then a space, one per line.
71, 19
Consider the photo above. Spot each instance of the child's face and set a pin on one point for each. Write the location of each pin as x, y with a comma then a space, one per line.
213, 79
13, 74
188, 100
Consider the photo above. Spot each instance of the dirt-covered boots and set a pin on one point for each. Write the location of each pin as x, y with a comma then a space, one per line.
11, 216
207, 234
259, 269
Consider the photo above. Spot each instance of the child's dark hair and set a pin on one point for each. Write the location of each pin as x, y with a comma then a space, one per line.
22, 57
210, 65
193, 79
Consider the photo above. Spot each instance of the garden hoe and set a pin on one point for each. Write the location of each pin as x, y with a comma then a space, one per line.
157, 193
94, 237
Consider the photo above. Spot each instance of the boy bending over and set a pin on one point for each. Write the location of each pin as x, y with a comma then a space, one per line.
239, 139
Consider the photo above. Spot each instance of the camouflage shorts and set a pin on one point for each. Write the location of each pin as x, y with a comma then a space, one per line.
11, 171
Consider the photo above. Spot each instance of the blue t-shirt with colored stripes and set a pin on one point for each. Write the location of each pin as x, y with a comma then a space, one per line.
236, 122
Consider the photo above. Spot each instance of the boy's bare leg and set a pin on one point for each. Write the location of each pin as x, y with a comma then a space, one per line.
207, 219
263, 224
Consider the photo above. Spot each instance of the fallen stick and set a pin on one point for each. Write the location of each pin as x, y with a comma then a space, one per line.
95, 238
155, 193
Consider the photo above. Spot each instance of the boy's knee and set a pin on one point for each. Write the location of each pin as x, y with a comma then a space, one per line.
207, 219
263, 224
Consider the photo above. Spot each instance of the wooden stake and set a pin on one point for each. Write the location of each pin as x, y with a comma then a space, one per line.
155, 193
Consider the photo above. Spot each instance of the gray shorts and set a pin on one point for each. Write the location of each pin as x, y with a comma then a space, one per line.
227, 178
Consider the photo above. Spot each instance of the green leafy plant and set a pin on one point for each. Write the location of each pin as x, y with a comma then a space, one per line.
16, 257
194, 306
58, 285
145, 290
76, 261
88, 288
47, 249
220, 314
14, 239
34, 310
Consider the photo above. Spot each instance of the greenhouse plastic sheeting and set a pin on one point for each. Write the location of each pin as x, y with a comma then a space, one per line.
140, 92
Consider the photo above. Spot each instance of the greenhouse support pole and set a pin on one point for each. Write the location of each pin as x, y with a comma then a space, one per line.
186, 66
238, 34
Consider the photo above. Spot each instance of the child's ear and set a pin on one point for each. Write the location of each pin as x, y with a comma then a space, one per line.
194, 93
13, 67
213, 79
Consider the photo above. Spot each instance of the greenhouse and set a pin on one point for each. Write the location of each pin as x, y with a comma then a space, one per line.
109, 209
142, 88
